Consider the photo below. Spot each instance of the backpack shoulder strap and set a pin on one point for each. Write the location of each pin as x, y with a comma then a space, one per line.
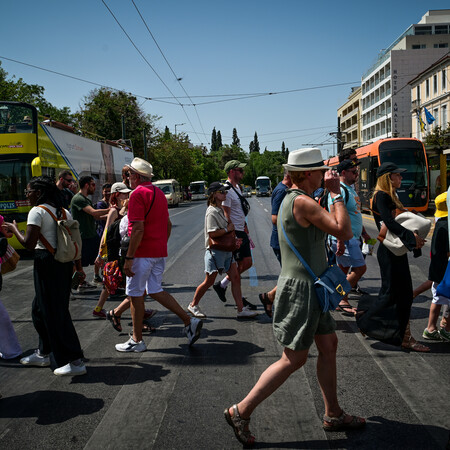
41, 236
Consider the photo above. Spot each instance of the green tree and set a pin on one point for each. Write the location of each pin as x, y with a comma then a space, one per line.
255, 147
251, 147
102, 114
236, 141
16, 90
438, 137
219, 140
214, 146
167, 136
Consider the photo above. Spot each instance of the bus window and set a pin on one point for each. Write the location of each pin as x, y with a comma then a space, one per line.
14, 177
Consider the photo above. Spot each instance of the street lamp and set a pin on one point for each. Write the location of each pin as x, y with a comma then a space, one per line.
179, 125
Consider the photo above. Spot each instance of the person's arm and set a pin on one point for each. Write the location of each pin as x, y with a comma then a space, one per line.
169, 228
31, 237
336, 222
137, 233
410, 240
96, 213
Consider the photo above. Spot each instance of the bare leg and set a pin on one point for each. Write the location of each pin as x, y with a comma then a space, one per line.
271, 294
119, 310
103, 297
422, 288
433, 317
235, 278
271, 379
137, 315
166, 300
202, 288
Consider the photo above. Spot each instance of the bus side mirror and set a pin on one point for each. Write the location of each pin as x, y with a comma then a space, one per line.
36, 168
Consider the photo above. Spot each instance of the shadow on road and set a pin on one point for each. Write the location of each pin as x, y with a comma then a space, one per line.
49, 407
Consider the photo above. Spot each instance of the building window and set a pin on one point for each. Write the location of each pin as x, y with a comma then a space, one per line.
436, 116
421, 30
443, 45
418, 46
435, 84
441, 29
418, 94
443, 79
444, 119
427, 88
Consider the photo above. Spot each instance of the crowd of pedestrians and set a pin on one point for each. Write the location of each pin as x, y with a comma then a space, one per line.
314, 209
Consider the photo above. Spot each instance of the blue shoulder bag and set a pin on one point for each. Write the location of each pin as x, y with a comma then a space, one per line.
331, 287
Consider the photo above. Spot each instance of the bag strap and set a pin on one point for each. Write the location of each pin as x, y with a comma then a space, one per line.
41, 236
296, 252
241, 198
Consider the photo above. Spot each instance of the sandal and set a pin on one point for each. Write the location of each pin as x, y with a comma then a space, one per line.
346, 310
149, 313
238, 424
115, 320
415, 346
147, 328
339, 424
264, 299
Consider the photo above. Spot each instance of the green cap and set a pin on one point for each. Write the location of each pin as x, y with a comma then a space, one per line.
233, 164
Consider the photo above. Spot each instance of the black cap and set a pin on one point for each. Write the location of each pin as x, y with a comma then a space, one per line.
217, 186
389, 167
347, 164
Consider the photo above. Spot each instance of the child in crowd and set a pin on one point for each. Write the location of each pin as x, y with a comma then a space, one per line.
439, 257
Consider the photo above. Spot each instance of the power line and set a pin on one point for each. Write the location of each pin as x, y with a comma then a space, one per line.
170, 67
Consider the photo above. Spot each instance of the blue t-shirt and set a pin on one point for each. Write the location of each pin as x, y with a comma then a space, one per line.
277, 197
353, 206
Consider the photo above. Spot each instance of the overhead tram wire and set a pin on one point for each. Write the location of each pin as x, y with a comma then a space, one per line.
148, 63
177, 78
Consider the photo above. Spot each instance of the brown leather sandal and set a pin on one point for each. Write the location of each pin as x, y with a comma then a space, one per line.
339, 424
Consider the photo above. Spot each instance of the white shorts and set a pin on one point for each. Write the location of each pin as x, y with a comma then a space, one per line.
438, 299
148, 273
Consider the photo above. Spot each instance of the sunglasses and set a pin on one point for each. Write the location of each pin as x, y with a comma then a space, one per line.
69, 181
222, 192
239, 170
127, 174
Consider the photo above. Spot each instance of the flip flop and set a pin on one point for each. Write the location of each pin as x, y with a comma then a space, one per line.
264, 299
346, 310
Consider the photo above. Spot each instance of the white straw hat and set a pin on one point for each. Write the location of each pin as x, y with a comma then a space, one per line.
305, 159
142, 167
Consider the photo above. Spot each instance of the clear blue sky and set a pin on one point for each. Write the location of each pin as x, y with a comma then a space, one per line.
226, 47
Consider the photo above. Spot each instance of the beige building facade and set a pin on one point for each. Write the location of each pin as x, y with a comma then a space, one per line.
349, 115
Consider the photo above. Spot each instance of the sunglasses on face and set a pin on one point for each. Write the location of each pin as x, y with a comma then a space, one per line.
68, 181
221, 192
239, 170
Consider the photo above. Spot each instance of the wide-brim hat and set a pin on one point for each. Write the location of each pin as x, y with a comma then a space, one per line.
441, 205
305, 159
120, 187
389, 167
142, 167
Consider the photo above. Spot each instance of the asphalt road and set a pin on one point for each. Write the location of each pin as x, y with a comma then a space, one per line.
173, 396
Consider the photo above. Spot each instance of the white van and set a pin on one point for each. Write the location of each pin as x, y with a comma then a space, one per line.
171, 189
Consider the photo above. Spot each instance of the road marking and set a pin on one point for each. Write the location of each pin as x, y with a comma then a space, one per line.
182, 251
266, 210
184, 210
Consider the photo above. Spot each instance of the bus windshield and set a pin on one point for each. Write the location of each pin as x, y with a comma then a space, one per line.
197, 188
15, 173
16, 118
263, 183
166, 188
410, 157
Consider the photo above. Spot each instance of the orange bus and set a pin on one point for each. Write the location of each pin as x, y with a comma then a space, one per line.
405, 152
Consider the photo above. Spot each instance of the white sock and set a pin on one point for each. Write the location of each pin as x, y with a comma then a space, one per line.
224, 283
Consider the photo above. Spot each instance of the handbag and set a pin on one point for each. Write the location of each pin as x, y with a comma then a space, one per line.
413, 222
225, 243
331, 286
9, 260
443, 288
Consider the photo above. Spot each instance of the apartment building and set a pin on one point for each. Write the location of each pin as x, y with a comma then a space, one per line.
430, 89
385, 92
349, 115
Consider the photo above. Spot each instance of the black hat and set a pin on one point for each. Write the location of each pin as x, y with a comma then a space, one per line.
347, 164
217, 186
389, 167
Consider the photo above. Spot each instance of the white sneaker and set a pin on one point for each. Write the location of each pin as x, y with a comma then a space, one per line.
36, 359
71, 369
196, 311
246, 313
131, 346
192, 331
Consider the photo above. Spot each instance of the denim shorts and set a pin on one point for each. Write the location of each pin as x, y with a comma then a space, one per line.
217, 261
352, 256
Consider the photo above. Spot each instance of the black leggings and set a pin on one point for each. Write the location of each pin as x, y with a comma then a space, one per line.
50, 311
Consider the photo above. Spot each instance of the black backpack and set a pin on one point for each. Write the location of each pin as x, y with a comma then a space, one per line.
113, 241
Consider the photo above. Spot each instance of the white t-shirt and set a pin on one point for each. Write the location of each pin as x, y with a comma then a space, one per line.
237, 215
41, 218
